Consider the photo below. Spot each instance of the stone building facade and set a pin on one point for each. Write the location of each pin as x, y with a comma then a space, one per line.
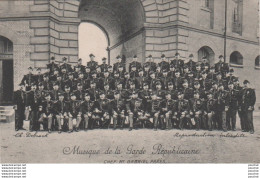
39, 29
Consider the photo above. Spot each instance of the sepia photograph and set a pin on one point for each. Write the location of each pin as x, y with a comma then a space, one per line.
129, 81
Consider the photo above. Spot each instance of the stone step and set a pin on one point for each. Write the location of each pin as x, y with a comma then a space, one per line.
7, 114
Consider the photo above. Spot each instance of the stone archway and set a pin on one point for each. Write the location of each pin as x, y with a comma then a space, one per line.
207, 52
6, 70
123, 22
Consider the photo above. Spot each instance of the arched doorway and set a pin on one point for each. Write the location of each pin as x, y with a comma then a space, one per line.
122, 20
207, 52
236, 58
92, 39
6, 70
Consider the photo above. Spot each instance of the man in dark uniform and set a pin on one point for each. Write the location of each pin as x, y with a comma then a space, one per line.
19, 107
209, 111
121, 71
133, 72
118, 110
164, 64
248, 102
93, 91
205, 83
65, 65
183, 111
171, 73
211, 75
191, 64
82, 81
53, 76
71, 82
165, 79
177, 80
33, 102
28, 79
46, 110
239, 100
52, 65
190, 79
135, 63
79, 92
46, 83
187, 90
196, 110
118, 63
92, 64
221, 66
67, 93
170, 89
108, 92
155, 109
87, 110
205, 64
150, 63
230, 76
38, 78
140, 79
197, 73
60, 111
80, 66
233, 106
87, 73
168, 110
104, 64
55, 92
107, 79
178, 63
222, 107
74, 112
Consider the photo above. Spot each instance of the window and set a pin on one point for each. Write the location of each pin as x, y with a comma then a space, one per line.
236, 59
207, 3
257, 62
237, 17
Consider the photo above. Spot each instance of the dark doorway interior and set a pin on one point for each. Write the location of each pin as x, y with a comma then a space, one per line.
7, 81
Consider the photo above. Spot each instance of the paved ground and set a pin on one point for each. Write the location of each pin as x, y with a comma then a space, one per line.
137, 146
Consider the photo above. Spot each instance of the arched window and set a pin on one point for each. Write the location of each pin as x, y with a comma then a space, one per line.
207, 52
257, 62
236, 59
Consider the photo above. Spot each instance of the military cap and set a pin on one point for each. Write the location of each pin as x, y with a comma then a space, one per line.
196, 83
214, 83
56, 83
177, 54
203, 72
163, 56
101, 93
221, 56
191, 55
190, 72
172, 66
231, 70
63, 67
145, 83
109, 67
150, 56
204, 57
30, 68
86, 94
38, 69
235, 79
185, 81
70, 73
80, 72
154, 93
92, 82
135, 56
220, 84
118, 57
67, 86
106, 71
218, 73
131, 82
185, 67
91, 55
79, 59
33, 84
212, 67
45, 75
21, 84
230, 83
40, 84
126, 73
168, 93
151, 72
103, 59
60, 94
164, 70
196, 92
73, 94
133, 66
197, 64
209, 93
180, 92
79, 84
146, 65
64, 58
120, 66
52, 58
246, 81
170, 83
47, 94
93, 72
116, 72
158, 83
177, 71
134, 92
140, 70
116, 92
87, 67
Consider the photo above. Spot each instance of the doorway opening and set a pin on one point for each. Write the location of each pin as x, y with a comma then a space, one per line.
92, 40
6, 71
207, 52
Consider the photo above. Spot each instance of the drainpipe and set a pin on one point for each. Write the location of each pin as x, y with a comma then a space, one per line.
225, 32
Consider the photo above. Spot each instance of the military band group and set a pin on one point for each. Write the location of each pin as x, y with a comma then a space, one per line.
171, 94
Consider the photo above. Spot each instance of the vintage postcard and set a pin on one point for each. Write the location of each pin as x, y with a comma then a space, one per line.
129, 81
